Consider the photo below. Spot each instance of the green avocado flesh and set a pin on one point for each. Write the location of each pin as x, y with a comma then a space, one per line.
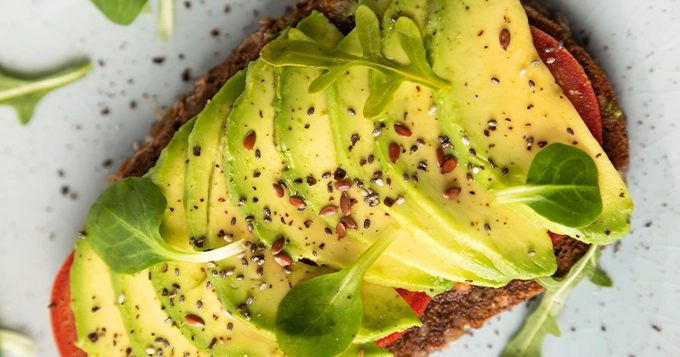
308, 183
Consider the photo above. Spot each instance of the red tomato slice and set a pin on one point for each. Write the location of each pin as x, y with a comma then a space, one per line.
61, 315
418, 302
571, 77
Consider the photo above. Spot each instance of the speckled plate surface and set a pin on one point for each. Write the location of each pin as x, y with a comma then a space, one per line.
54, 168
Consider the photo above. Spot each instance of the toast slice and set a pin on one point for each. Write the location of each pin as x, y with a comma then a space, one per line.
451, 313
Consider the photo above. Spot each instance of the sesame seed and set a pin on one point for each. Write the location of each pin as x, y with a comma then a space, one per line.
495, 81
523, 72
420, 142
401, 200
199, 304
475, 170
532, 85
466, 141
310, 111
487, 228
570, 131
263, 286
230, 327
433, 110
287, 270
550, 60
492, 123
504, 171
377, 132
535, 63
367, 223
531, 253
351, 112
472, 152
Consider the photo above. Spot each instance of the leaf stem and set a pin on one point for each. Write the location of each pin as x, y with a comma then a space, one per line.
360, 266
207, 256
166, 19
47, 83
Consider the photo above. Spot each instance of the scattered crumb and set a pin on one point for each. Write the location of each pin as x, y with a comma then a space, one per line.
187, 4
107, 163
60, 173
100, 63
227, 9
158, 60
133, 104
656, 328
65, 190
73, 196
648, 224
186, 75
617, 246
105, 111
215, 32
180, 56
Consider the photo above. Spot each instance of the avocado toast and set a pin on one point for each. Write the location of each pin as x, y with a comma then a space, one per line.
449, 312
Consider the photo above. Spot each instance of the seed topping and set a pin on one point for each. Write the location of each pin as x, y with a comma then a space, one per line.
249, 142
283, 259
193, 320
349, 223
449, 164
343, 185
402, 131
340, 228
451, 193
297, 202
504, 39
345, 204
394, 152
328, 211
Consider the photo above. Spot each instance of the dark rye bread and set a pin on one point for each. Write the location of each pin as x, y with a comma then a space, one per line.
449, 314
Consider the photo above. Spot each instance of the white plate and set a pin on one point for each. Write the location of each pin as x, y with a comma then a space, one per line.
636, 42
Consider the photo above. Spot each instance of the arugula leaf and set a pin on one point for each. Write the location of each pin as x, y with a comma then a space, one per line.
291, 52
24, 94
121, 12
16, 344
123, 229
562, 185
321, 316
527, 343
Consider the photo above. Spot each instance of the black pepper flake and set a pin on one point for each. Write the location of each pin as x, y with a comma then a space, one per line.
94, 337
311, 181
308, 224
339, 174
570, 131
504, 171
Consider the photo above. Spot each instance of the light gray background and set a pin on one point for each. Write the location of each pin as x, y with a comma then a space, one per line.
636, 42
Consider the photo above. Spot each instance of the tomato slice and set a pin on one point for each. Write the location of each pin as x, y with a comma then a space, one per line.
571, 77
62, 318
418, 302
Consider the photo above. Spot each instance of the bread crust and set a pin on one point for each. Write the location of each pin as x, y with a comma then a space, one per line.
449, 314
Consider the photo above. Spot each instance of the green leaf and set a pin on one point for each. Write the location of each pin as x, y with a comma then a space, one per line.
24, 94
299, 53
541, 322
123, 229
166, 19
562, 185
381, 96
16, 344
368, 28
121, 12
321, 316
600, 278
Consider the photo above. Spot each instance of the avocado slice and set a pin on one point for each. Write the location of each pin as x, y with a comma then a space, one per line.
252, 174
239, 286
98, 322
201, 163
306, 142
486, 109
